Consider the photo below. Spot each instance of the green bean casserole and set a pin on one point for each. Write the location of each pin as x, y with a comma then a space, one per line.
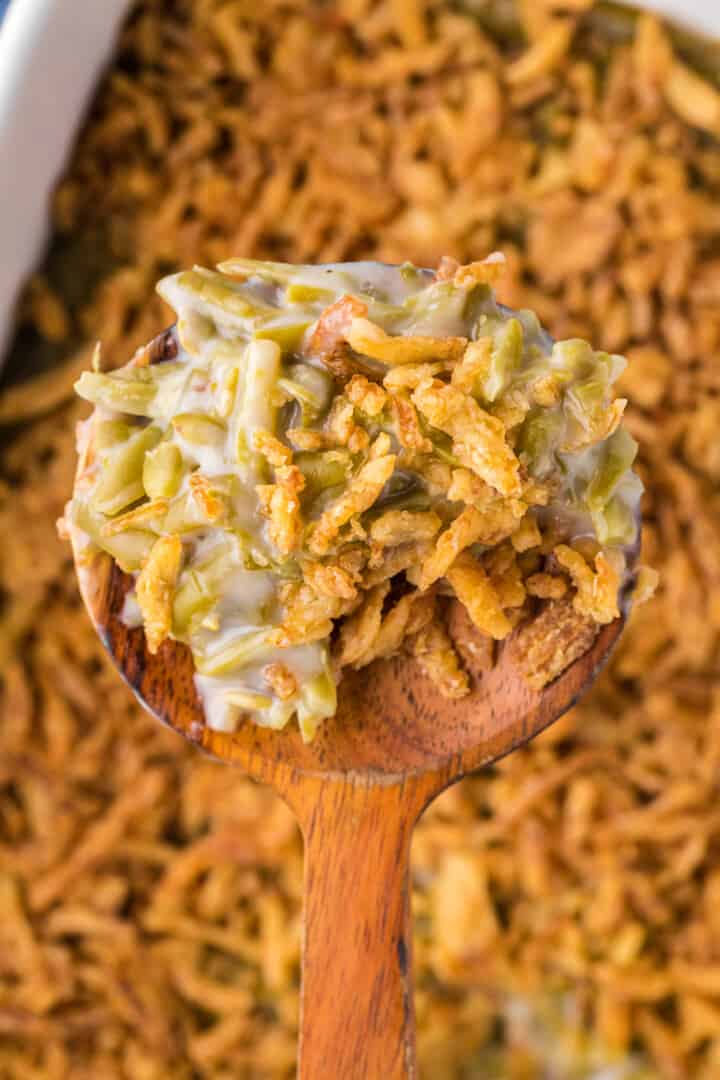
314, 459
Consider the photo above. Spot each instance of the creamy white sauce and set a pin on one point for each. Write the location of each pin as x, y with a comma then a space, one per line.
131, 615
246, 594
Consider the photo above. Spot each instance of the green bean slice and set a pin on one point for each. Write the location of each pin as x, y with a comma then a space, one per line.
120, 481
239, 652
505, 359
162, 471
198, 429
618, 456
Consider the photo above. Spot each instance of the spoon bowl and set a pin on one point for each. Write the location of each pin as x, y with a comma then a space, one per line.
391, 721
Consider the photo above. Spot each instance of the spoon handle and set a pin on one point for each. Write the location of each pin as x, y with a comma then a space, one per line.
357, 1014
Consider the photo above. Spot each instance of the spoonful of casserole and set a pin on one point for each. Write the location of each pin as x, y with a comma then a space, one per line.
360, 529
314, 459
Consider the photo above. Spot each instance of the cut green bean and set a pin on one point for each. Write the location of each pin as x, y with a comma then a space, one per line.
297, 293
198, 429
110, 433
195, 331
162, 471
120, 482
191, 603
282, 273
310, 388
335, 279
538, 440
278, 715
572, 359
133, 396
318, 701
615, 523
437, 310
243, 697
129, 549
239, 652
505, 359
150, 391
324, 470
199, 589
255, 408
219, 297
288, 335
618, 455
184, 514
442, 445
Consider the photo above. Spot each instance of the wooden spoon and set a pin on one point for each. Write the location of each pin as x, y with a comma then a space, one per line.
357, 791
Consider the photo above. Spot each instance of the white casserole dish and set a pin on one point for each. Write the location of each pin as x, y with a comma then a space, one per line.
51, 53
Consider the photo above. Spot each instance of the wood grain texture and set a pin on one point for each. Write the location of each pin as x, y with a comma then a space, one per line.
357, 1011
